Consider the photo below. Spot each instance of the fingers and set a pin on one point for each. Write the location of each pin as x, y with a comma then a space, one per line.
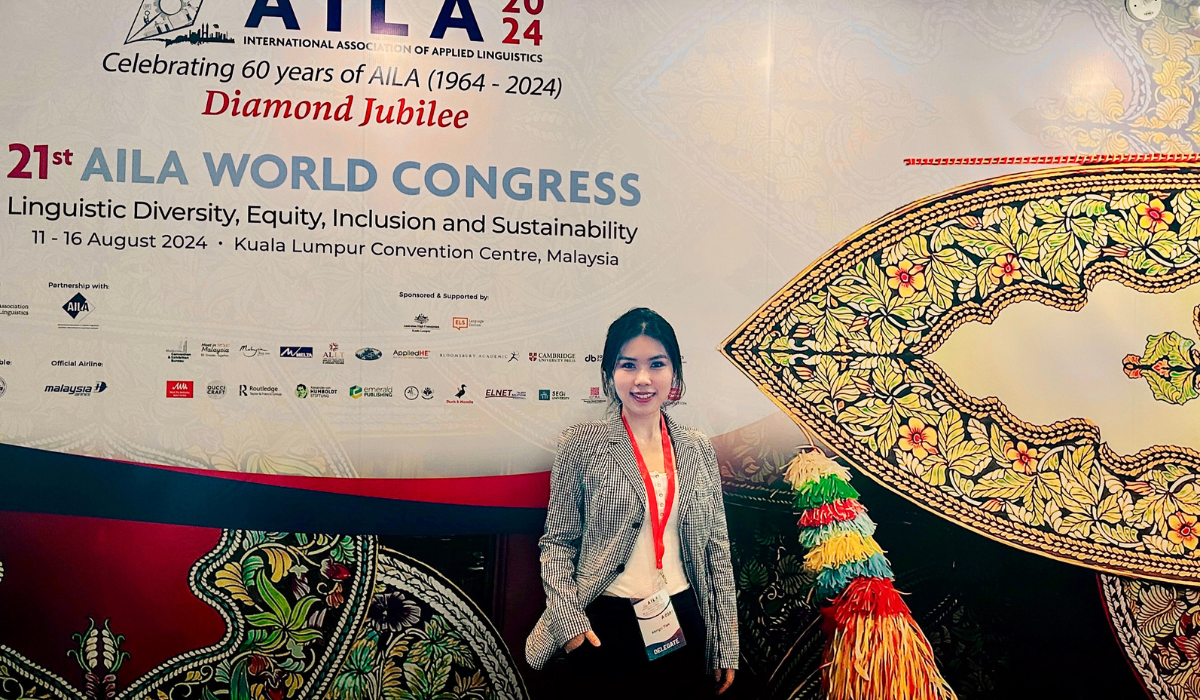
591, 637
728, 679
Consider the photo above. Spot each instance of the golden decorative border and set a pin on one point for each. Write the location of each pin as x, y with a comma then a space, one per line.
757, 344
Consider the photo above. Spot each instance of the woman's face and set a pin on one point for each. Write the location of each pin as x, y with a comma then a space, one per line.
642, 376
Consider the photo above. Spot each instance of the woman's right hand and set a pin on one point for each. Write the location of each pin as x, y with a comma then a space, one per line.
578, 640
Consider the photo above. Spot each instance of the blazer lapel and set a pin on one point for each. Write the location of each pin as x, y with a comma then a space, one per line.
687, 463
622, 451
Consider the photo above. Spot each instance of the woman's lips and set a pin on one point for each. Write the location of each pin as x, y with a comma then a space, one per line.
642, 398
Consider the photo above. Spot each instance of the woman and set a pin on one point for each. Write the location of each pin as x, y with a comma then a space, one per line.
610, 563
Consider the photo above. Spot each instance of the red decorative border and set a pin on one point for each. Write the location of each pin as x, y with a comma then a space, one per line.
1094, 159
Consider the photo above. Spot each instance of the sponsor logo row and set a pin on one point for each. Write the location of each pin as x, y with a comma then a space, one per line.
79, 309
334, 355
186, 389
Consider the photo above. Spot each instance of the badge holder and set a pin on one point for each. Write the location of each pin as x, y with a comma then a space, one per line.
660, 628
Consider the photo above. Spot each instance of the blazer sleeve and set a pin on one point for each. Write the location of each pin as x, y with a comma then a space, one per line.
721, 571
560, 543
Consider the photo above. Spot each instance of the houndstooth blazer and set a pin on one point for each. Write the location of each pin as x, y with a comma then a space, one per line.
597, 503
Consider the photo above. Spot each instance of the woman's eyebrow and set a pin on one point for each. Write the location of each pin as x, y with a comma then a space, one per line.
634, 359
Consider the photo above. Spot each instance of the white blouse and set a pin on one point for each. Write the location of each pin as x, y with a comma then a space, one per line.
640, 577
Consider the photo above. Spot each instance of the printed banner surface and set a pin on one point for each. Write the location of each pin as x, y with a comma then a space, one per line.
345, 239
384, 239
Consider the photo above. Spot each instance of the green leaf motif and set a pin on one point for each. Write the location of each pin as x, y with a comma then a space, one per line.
343, 551
239, 682
1169, 367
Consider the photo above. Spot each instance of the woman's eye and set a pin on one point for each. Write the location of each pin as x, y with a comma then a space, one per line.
626, 365
658, 364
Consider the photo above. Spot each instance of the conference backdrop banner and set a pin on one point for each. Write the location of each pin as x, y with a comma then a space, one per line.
364, 246
353, 239
384, 239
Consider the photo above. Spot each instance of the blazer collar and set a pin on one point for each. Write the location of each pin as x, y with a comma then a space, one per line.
616, 430
687, 460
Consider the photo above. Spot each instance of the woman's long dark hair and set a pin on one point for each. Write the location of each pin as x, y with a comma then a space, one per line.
631, 324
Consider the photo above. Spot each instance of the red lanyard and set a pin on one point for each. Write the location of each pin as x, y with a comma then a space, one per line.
658, 526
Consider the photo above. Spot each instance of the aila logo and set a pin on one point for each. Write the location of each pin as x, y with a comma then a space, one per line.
77, 307
180, 390
446, 19
157, 18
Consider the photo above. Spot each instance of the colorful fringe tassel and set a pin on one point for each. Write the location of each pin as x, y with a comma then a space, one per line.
875, 649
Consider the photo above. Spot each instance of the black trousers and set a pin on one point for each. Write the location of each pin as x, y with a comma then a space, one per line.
618, 668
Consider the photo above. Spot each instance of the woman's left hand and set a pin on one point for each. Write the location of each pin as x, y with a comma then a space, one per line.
724, 679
